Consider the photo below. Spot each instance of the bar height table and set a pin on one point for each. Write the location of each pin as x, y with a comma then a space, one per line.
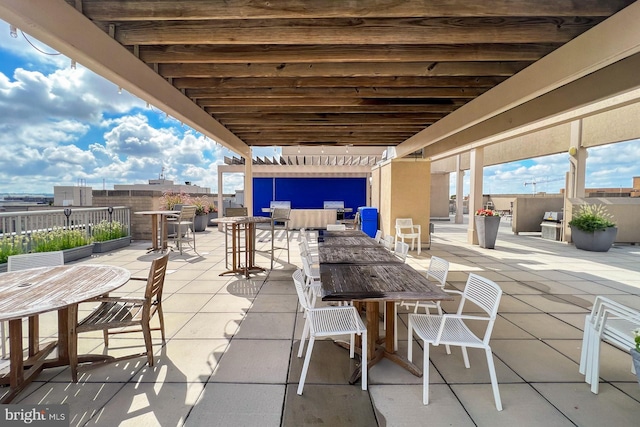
243, 228
158, 221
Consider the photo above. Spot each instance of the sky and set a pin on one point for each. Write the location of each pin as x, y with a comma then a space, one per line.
66, 126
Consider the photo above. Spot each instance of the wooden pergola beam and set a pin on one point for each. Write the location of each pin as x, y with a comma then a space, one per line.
365, 31
347, 69
233, 54
158, 10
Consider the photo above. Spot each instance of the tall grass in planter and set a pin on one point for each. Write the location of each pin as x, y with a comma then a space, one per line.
11, 245
106, 230
57, 239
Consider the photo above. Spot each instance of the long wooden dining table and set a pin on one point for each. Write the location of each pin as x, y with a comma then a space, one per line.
357, 268
29, 293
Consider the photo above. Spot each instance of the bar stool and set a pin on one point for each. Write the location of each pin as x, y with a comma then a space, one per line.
279, 221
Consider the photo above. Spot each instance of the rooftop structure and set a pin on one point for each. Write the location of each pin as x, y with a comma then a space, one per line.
230, 356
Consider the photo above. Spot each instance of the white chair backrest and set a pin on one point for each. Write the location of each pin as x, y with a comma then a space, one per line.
438, 269
485, 294
298, 280
402, 249
378, 236
306, 264
37, 259
388, 241
404, 223
304, 252
615, 322
336, 227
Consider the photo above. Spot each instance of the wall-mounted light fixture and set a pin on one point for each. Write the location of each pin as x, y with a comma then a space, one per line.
13, 31
573, 151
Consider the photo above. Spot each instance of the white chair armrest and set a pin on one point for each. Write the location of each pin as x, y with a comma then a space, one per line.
447, 317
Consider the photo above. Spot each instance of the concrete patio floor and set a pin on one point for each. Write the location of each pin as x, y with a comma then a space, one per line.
230, 356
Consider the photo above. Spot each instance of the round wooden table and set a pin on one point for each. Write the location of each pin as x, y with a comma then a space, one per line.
28, 293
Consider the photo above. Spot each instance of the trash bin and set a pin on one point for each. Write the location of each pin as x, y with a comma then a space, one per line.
368, 220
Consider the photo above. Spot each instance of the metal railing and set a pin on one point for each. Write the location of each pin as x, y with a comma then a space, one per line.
25, 223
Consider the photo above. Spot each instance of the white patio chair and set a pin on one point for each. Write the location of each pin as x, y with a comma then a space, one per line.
388, 242
611, 322
306, 248
24, 262
312, 281
405, 229
325, 322
378, 236
451, 329
401, 250
336, 227
438, 271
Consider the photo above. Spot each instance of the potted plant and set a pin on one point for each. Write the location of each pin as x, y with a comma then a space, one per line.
169, 200
109, 235
202, 212
213, 211
487, 224
635, 352
592, 228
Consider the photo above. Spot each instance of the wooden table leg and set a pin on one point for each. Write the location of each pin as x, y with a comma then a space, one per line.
16, 374
373, 328
390, 352
65, 323
234, 246
22, 372
154, 232
164, 233
34, 335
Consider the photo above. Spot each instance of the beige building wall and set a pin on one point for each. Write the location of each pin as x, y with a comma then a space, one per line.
375, 186
137, 201
617, 125
72, 195
439, 195
405, 192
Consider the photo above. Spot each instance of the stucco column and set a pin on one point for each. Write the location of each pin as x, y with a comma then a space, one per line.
475, 192
248, 183
575, 181
459, 190
578, 159
405, 192
220, 195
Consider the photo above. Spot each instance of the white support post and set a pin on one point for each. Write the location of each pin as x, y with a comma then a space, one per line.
475, 192
459, 190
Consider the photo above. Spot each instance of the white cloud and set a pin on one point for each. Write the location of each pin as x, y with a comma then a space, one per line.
608, 166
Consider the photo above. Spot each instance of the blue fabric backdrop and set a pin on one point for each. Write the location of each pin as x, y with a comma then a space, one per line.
309, 193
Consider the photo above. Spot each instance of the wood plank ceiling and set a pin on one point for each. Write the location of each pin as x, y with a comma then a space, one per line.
328, 72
